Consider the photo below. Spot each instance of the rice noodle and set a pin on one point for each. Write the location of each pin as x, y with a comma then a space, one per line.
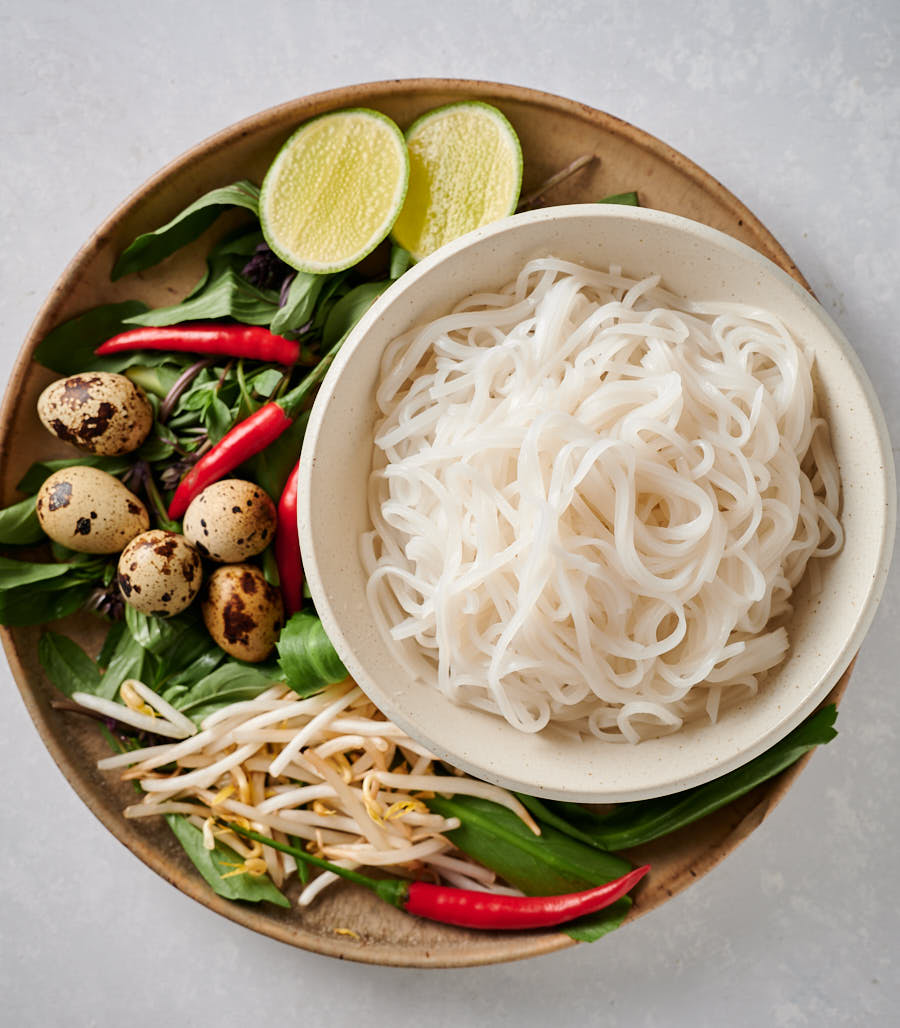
591, 501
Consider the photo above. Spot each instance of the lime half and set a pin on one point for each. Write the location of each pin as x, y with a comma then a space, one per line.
465, 171
334, 190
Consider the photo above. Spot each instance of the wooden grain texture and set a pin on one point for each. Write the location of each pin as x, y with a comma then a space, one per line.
554, 132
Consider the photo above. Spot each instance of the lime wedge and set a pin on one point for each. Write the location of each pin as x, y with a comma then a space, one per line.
465, 171
334, 190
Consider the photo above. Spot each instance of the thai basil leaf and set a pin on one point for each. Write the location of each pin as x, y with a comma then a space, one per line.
41, 470
218, 418
214, 864
68, 667
633, 824
542, 865
301, 300
225, 294
128, 660
179, 683
626, 199
69, 348
240, 244
110, 643
44, 601
272, 467
348, 310
595, 926
14, 573
157, 380
176, 642
401, 262
19, 525
152, 247
306, 656
229, 683
265, 382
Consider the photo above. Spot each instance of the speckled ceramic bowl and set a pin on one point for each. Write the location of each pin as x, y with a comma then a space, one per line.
826, 628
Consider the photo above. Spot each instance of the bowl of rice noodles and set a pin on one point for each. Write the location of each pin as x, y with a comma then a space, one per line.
597, 503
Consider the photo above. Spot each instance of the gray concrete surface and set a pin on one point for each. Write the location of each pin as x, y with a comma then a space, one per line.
795, 106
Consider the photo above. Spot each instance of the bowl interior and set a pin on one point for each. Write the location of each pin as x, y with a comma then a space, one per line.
827, 625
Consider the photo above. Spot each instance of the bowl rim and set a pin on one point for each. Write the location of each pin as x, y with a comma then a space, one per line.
356, 663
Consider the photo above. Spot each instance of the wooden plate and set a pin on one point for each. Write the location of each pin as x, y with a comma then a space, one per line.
554, 132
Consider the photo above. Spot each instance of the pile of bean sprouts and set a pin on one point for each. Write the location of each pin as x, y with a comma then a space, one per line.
329, 770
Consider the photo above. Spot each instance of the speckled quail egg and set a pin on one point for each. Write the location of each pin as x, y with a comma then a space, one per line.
242, 612
89, 510
97, 411
230, 521
160, 573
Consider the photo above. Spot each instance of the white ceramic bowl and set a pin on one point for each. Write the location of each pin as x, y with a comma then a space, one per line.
825, 630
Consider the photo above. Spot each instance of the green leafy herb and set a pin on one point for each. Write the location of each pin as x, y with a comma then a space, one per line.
272, 467
627, 199
633, 824
127, 660
306, 656
111, 642
214, 864
543, 865
69, 348
152, 247
225, 294
43, 601
301, 300
401, 262
41, 470
19, 525
14, 573
595, 926
230, 683
68, 667
348, 310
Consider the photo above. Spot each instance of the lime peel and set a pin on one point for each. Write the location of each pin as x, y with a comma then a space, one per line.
334, 190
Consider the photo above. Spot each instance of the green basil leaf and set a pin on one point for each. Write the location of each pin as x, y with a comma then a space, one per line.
177, 641
41, 470
14, 573
543, 865
348, 310
19, 525
152, 247
230, 683
239, 243
626, 199
633, 824
69, 348
110, 643
306, 656
68, 667
300, 303
401, 262
595, 926
225, 294
265, 382
40, 602
214, 864
272, 467
218, 419
128, 660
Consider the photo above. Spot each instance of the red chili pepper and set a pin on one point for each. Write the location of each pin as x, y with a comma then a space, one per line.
251, 341
287, 546
470, 909
467, 908
247, 438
